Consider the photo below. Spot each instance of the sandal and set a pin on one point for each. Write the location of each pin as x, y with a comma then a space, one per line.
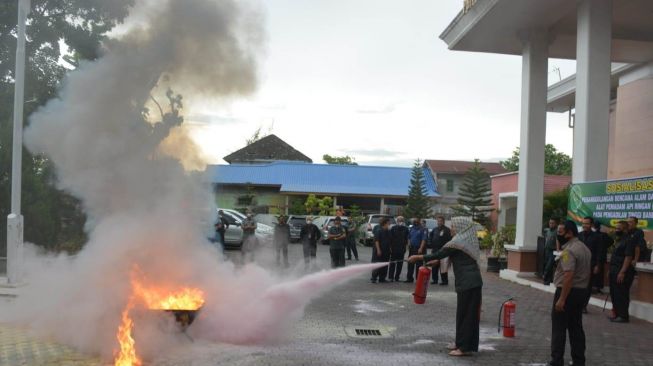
458, 353
451, 346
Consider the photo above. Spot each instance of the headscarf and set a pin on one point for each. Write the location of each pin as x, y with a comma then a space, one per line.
465, 238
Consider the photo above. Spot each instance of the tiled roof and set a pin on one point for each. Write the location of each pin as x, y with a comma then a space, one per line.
461, 167
268, 148
296, 177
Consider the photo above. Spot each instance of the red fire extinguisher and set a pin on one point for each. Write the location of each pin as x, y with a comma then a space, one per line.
422, 285
508, 308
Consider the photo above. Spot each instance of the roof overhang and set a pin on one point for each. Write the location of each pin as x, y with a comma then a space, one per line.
497, 26
561, 96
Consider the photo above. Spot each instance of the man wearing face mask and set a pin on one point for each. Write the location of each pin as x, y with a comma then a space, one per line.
592, 241
621, 273
571, 279
438, 238
309, 236
604, 241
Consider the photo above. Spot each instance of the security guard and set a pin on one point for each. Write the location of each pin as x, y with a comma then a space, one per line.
571, 279
621, 273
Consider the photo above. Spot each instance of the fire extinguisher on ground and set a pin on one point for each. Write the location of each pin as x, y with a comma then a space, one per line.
422, 285
508, 309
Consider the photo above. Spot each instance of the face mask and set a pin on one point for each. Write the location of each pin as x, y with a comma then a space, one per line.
562, 239
400, 223
309, 222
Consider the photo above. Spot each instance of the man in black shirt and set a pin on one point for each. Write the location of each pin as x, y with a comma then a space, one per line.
221, 226
398, 245
438, 238
309, 236
604, 241
337, 240
591, 241
381, 250
637, 237
621, 273
281, 240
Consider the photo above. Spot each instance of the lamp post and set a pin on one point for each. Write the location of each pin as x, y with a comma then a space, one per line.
15, 219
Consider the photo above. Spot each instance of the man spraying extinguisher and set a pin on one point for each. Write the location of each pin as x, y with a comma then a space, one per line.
463, 252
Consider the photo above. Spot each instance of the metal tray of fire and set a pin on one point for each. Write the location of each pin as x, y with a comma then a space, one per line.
184, 317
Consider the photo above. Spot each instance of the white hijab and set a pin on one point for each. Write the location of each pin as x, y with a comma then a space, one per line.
465, 238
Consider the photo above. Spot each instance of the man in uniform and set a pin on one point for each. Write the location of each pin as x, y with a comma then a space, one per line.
281, 240
417, 246
621, 273
381, 250
398, 245
337, 240
636, 236
550, 245
571, 279
250, 241
309, 236
351, 239
438, 238
592, 241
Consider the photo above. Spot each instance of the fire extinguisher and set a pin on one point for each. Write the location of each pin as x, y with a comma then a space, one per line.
508, 308
422, 285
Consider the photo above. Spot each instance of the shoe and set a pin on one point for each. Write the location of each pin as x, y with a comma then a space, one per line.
451, 346
373, 280
397, 280
444, 284
356, 259
348, 259
383, 281
585, 310
408, 281
619, 320
547, 283
433, 283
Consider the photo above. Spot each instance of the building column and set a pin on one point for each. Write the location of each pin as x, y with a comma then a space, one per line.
593, 64
382, 206
287, 205
530, 192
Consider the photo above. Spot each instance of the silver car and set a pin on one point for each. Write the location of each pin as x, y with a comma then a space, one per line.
326, 224
233, 236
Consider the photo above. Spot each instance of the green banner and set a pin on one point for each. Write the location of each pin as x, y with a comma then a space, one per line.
611, 201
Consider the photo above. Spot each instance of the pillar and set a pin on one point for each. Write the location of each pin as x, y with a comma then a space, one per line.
530, 192
593, 64
382, 206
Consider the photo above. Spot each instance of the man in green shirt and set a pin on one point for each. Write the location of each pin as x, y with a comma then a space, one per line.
550, 245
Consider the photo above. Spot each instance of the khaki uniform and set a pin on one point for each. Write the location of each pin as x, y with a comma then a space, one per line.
575, 257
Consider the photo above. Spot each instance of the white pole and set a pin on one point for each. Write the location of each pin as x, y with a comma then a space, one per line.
15, 219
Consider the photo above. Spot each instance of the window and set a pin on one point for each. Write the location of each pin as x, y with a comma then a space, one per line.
449, 185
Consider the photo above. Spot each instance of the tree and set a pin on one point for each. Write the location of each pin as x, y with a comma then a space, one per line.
319, 206
417, 204
342, 160
53, 218
475, 195
555, 205
555, 162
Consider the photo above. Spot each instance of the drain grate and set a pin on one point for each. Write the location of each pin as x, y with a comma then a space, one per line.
368, 332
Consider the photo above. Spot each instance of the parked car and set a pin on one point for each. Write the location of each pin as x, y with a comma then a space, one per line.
233, 236
326, 223
366, 229
296, 224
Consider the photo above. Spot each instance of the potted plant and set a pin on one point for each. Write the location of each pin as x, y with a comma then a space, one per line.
497, 259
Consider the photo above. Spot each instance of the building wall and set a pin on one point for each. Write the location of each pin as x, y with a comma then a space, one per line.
228, 197
632, 150
447, 199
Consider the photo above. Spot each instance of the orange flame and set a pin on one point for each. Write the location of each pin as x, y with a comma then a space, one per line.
160, 299
127, 355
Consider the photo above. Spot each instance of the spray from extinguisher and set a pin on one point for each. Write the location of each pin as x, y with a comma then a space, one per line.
508, 309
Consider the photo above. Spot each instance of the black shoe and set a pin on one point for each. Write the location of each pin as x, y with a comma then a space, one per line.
408, 281
356, 259
444, 284
434, 283
348, 259
397, 280
383, 281
585, 310
619, 320
373, 280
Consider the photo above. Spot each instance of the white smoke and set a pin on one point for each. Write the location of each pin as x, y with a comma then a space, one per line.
119, 145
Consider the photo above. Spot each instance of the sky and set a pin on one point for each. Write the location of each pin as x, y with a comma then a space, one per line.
371, 79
